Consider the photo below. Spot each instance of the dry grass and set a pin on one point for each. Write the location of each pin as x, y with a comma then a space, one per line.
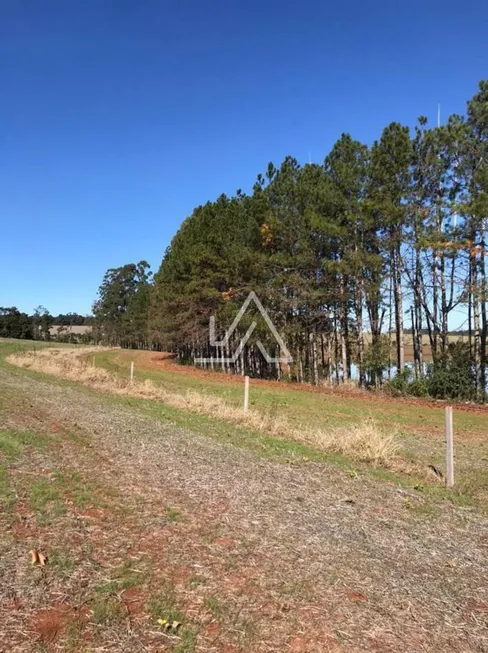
365, 442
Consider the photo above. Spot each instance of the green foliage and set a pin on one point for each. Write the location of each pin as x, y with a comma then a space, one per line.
122, 310
14, 324
400, 383
453, 375
404, 384
418, 388
334, 251
42, 321
377, 358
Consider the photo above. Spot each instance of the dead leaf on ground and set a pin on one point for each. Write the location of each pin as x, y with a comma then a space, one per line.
356, 596
38, 558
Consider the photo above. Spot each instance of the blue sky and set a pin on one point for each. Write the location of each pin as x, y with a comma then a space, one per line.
118, 117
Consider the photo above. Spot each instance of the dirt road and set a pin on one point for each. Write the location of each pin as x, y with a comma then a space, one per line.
256, 555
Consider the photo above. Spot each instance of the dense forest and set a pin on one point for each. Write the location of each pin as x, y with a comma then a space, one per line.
378, 247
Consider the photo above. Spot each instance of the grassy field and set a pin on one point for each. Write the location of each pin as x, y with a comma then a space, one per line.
419, 424
150, 514
299, 405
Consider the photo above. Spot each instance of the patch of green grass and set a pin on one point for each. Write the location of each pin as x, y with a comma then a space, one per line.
7, 499
9, 446
423, 509
107, 611
46, 499
476, 482
164, 605
42, 493
12, 442
79, 490
61, 563
172, 514
188, 641
47, 496
122, 578
73, 635
215, 606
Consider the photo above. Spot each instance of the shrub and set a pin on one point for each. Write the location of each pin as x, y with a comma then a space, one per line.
452, 376
400, 383
418, 388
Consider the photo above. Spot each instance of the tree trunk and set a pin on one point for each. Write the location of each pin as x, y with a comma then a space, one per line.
344, 332
313, 336
476, 322
400, 344
418, 314
360, 340
484, 298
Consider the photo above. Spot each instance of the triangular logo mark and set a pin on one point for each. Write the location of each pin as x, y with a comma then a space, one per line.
285, 356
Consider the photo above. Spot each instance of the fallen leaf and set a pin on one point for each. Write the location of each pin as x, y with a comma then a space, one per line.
356, 596
38, 558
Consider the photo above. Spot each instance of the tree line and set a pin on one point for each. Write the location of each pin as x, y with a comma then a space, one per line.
376, 248
38, 325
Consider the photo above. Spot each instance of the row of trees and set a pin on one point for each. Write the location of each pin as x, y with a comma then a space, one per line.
354, 259
38, 326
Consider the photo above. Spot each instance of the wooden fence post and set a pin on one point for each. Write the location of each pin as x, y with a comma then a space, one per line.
449, 448
131, 372
246, 393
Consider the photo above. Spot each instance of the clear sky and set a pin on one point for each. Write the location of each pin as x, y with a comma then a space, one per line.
118, 117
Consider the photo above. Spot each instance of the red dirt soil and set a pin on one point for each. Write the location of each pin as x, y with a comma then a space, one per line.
133, 599
50, 623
